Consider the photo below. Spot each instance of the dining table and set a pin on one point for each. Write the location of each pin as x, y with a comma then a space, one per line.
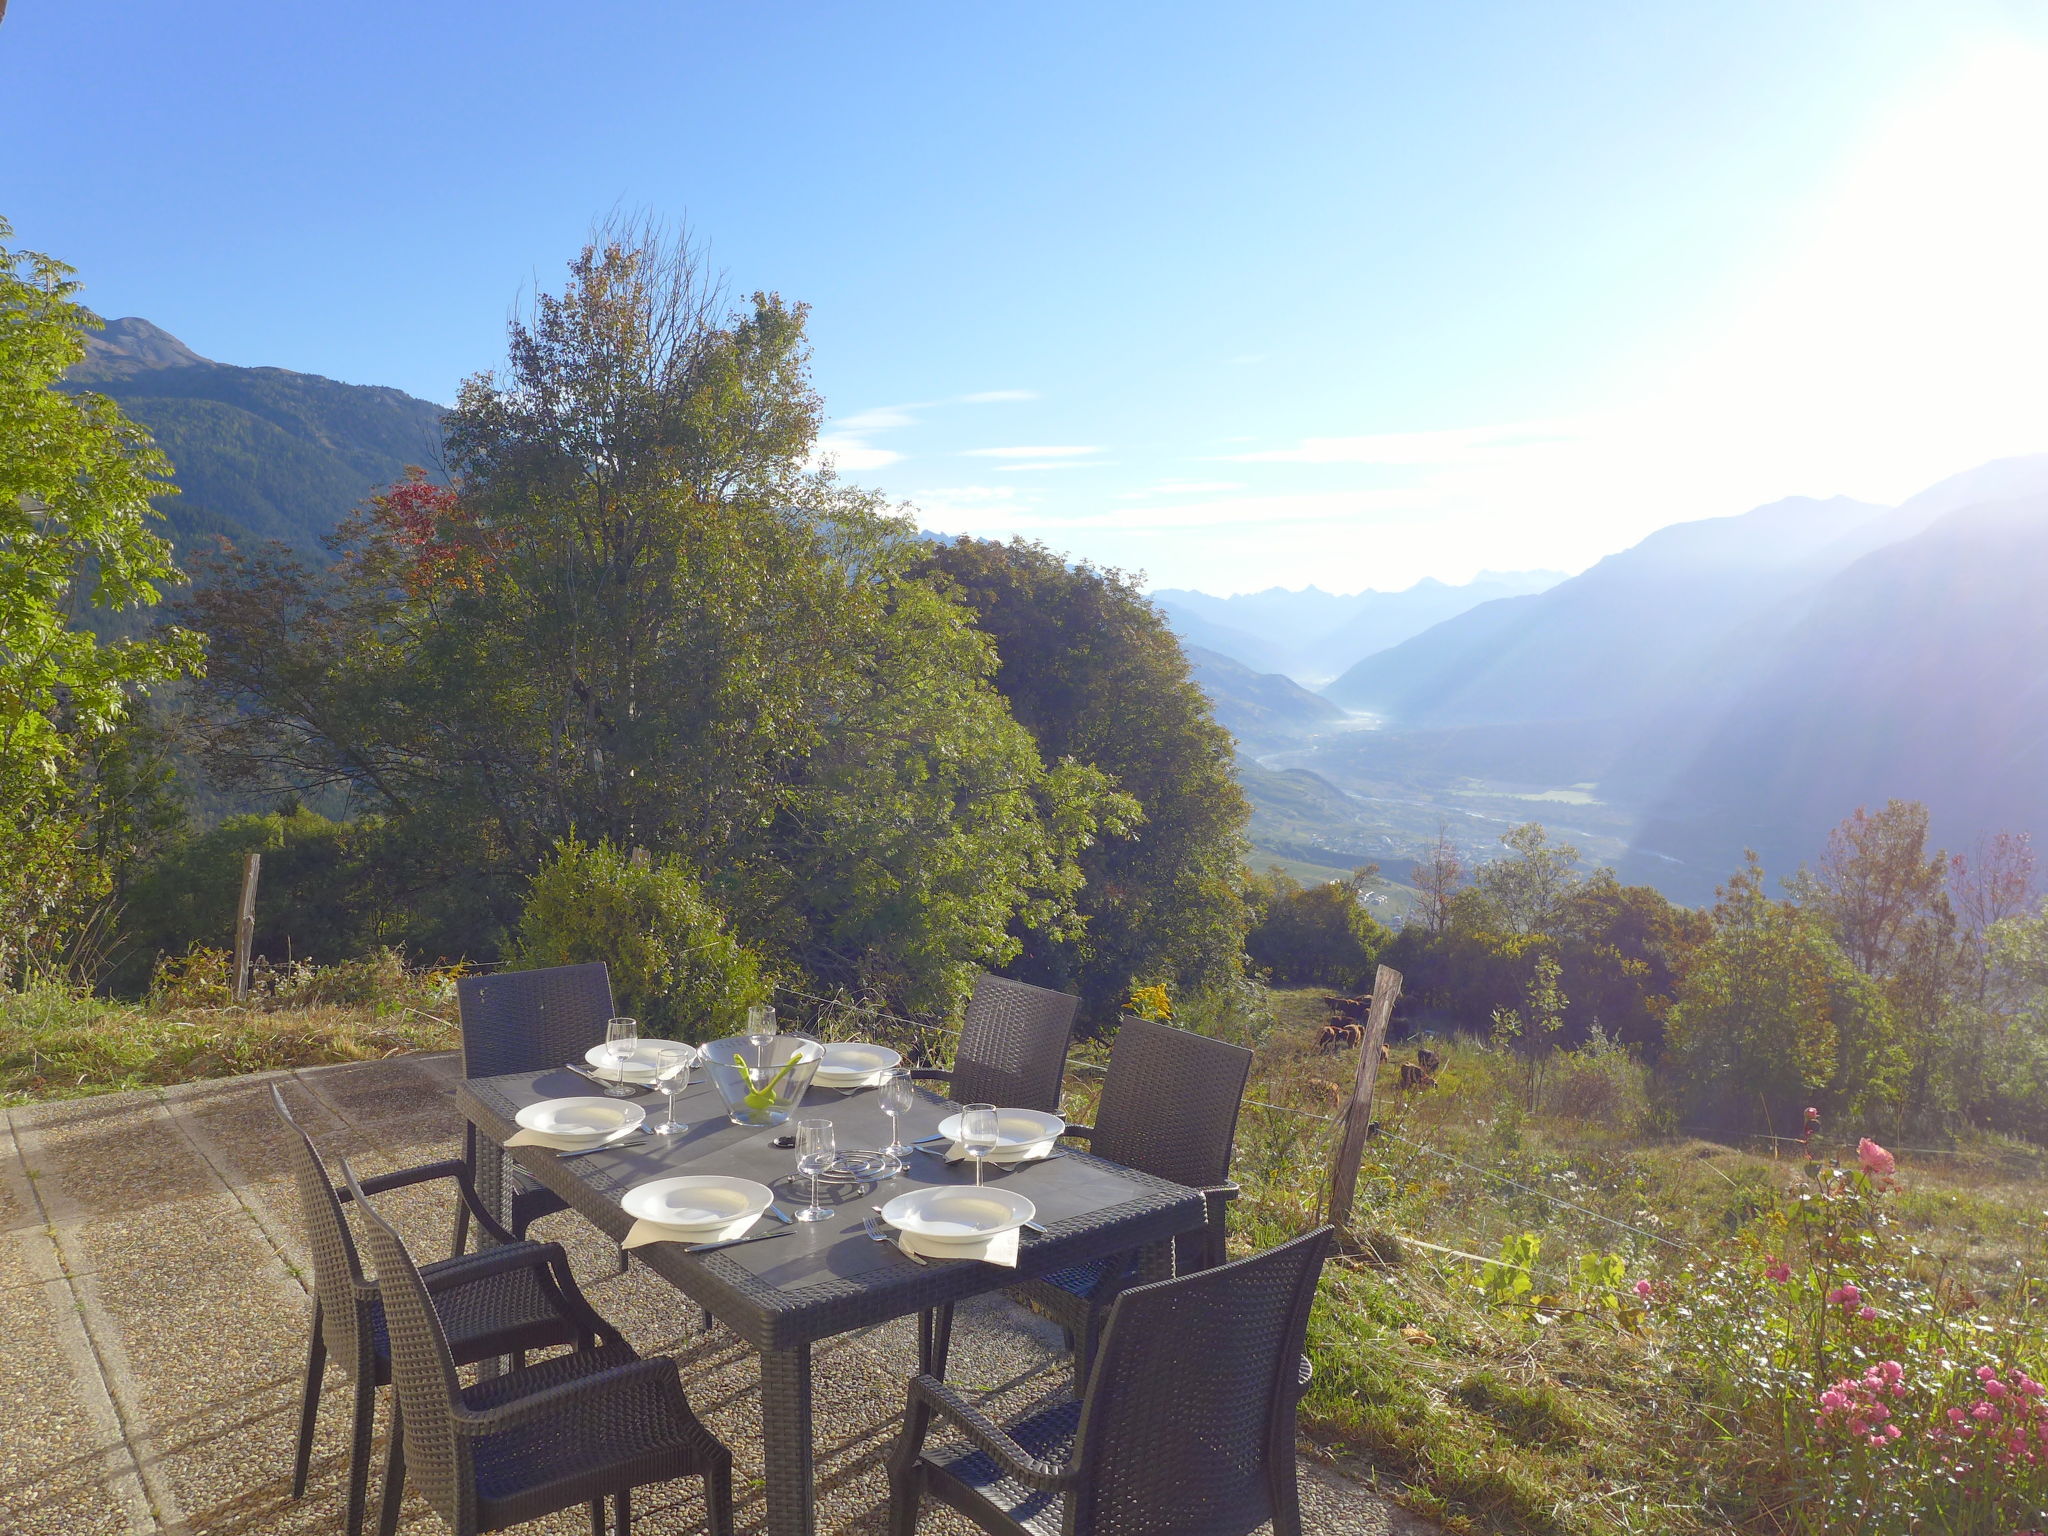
829, 1277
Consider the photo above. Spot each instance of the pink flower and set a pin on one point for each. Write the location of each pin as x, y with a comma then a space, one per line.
1844, 1295
1643, 1289
1777, 1269
1877, 1162
1868, 1314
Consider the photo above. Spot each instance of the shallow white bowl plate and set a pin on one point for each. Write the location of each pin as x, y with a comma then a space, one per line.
589, 1119
696, 1200
853, 1061
1014, 1128
641, 1065
958, 1214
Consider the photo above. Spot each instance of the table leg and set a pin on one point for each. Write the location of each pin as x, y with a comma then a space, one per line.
1155, 1262
786, 1440
489, 1174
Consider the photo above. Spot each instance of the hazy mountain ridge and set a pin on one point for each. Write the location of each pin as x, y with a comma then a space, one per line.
257, 453
1261, 709
1311, 635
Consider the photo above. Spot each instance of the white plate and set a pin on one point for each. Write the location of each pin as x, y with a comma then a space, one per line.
586, 1119
958, 1213
696, 1200
850, 1058
1014, 1128
641, 1065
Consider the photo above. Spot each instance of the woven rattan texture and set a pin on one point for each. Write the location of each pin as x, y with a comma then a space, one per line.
1013, 1045
522, 1021
1187, 1426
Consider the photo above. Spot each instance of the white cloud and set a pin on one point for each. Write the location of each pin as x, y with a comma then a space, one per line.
1014, 469
879, 419
998, 396
1181, 488
852, 453
1404, 448
1039, 451
951, 493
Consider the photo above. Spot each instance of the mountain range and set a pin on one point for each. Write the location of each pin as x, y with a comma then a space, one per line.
257, 453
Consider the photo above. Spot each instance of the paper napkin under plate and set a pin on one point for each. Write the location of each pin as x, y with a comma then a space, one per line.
645, 1232
850, 1080
526, 1138
999, 1248
1029, 1152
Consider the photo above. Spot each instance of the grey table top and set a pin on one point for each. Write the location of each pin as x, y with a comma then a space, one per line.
828, 1277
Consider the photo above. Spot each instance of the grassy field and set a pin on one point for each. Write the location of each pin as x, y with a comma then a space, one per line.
1546, 1320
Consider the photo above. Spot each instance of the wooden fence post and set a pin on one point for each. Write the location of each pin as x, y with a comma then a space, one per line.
1386, 987
245, 926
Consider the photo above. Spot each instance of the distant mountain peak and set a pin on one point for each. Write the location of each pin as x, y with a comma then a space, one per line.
132, 345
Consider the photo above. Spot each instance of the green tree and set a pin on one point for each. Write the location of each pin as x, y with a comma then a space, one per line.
1091, 669
1771, 1016
1318, 935
1529, 887
76, 478
641, 618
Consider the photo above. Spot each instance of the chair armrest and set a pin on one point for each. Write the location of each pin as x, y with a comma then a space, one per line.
1217, 1196
587, 1391
449, 1168
508, 1258
931, 1074
989, 1437
1085, 1132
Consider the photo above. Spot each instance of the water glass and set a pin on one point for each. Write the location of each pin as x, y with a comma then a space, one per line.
672, 1076
980, 1130
622, 1036
761, 1029
896, 1096
815, 1146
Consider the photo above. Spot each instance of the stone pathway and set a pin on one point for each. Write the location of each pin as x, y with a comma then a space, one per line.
153, 1308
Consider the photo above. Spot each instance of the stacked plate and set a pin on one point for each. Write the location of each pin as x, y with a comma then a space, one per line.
949, 1215
697, 1204
851, 1064
1021, 1134
568, 1124
639, 1063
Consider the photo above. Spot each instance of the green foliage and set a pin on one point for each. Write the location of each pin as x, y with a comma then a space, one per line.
669, 632
1307, 935
1507, 1281
1091, 669
1771, 1016
675, 964
1530, 887
75, 482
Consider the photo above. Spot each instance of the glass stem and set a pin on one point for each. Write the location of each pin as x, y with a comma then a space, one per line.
814, 1191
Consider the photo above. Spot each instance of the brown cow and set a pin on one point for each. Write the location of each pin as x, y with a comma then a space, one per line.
1427, 1059
1352, 1008
1413, 1077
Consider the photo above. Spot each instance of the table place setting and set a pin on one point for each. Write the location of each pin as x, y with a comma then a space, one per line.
1020, 1136
577, 1124
960, 1222
851, 1064
702, 1210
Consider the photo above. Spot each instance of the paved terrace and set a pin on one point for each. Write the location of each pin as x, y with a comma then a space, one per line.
153, 1307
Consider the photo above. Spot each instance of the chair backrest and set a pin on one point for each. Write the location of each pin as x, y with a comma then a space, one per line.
1013, 1045
1187, 1428
1169, 1104
337, 1271
422, 1370
528, 1021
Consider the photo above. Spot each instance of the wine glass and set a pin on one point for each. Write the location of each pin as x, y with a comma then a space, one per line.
622, 1039
980, 1130
672, 1076
814, 1150
896, 1096
760, 1030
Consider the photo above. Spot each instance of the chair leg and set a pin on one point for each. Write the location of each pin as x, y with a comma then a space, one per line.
394, 1474
462, 1205
710, 1322
906, 1492
622, 1512
625, 1263
718, 1498
309, 1406
359, 1452
597, 1517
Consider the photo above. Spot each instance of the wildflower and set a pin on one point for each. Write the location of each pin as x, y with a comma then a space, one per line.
1643, 1289
1868, 1314
1877, 1162
1777, 1269
1844, 1295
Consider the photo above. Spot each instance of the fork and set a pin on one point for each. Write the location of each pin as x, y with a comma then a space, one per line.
878, 1233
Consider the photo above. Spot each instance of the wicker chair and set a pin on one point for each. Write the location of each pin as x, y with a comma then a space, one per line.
1013, 1046
574, 1429
528, 1021
1169, 1108
504, 1301
1186, 1427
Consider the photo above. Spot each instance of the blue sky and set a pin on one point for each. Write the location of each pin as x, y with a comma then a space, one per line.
1232, 295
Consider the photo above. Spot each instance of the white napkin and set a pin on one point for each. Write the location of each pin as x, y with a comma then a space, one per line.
645, 1232
525, 1138
1026, 1152
999, 1249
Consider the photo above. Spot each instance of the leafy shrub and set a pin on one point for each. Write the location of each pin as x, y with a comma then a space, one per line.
1601, 1084
1318, 935
674, 963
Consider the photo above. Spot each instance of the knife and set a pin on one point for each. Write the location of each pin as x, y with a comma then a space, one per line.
734, 1242
603, 1082
604, 1146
